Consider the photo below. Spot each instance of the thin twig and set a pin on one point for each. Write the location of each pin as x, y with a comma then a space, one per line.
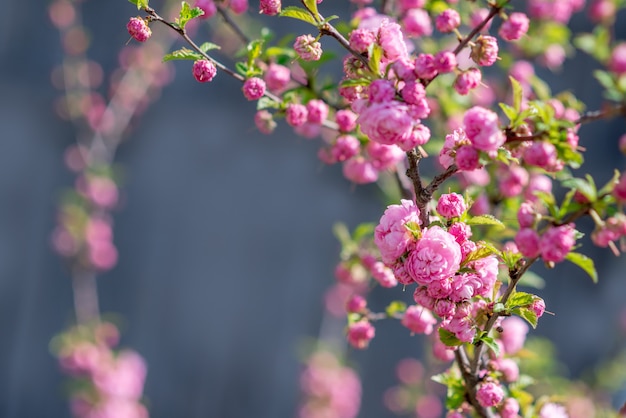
233, 25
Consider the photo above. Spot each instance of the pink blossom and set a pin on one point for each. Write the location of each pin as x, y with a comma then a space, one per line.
308, 48
541, 154
512, 180
361, 39
513, 335
138, 29
413, 92
448, 21
428, 406
445, 62
277, 77
270, 7
467, 158
264, 122
238, 6
360, 171
619, 191
391, 40
514, 27
452, 141
557, 242
489, 394
445, 308
478, 16
522, 71
204, 70
462, 327
417, 23
510, 408
208, 7
383, 275
425, 67
386, 123
481, 127
421, 297
537, 183
436, 257
486, 274
384, 157
406, 5
381, 91
419, 320
485, 50
538, 307
419, 110
508, 368
601, 10
253, 88
356, 304
391, 235
346, 120
404, 69
553, 410
360, 334
451, 205
467, 80
124, 378
419, 136
527, 241
526, 215
317, 111
296, 114
345, 147
553, 56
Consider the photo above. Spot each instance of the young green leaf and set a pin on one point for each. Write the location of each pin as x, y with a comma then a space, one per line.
519, 299
182, 54
528, 314
491, 344
584, 263
187, 13
517, 94
448, 338
376, 54
298, 13
485, 220
208, 46
312, 6
141, 4
394, 308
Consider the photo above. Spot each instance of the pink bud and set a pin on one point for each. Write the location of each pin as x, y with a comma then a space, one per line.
204, 70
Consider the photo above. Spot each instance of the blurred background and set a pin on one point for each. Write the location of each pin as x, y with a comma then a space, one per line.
224, 239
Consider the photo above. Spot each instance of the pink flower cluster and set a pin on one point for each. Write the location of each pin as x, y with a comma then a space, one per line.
114, 380
84, 234
553, 245
431, 257
329, 388
138, 28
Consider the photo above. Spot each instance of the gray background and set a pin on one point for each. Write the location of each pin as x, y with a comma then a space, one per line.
224, 238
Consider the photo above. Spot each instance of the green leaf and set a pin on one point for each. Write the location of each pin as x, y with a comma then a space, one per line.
329, 18
491, 344
276, 51
298, 13
520, 299
182, 54
241, 68
585, 187
517, 94
485, 220
605, 79
584, 263
353, 82
312, 6
254, 48
477, 254
509, 112
528, 314
448, 338
363, 230
375, 55
208, 46
187, 13
395, 307
141, 4
455, 396
341, 232
610, 185
266, 103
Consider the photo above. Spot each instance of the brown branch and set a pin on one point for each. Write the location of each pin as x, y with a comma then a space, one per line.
422, 197
471, 381
233, 25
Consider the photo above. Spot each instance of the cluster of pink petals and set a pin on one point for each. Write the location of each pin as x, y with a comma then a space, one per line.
482, 129
308, 48
330, 389
138, 29
204, 70
485, 50
391, 235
